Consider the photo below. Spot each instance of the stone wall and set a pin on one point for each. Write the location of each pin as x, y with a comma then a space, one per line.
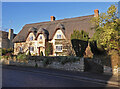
82, 65
71, 66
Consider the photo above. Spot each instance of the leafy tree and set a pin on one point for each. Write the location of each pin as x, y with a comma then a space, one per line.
79, 40
81, 35
107, 27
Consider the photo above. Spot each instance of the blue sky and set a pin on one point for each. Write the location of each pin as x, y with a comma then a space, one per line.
16, 14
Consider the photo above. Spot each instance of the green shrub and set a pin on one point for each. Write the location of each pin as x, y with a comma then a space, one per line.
21, 56
69, 59
6, 57
48, 49
47, 61
5, 51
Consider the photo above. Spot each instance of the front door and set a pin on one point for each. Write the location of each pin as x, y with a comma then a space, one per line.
38, 50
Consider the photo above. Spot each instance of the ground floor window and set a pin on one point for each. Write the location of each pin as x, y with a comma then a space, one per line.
31, 48
58, 48
21, 49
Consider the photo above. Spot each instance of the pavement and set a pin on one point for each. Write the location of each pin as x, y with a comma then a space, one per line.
93, 77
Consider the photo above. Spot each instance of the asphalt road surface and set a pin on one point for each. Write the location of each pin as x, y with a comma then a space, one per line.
22, 78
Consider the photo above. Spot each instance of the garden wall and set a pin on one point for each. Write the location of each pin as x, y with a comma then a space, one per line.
63, 63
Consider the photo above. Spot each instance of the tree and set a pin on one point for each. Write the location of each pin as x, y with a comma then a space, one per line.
79, 40
107, 27
81, 35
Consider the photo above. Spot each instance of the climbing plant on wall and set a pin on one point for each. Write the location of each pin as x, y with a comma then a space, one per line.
48, 49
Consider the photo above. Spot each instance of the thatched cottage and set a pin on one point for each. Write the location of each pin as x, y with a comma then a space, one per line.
33, 37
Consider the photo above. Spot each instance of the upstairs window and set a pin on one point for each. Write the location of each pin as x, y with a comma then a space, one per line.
40, 37
31, 48
58, 36
31, 38
59, 48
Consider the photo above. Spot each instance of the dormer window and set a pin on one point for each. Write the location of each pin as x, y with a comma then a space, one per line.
40, 37
58, 36
31, 38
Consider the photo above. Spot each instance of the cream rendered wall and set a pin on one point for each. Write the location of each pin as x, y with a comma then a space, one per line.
17, 46
30, 34
34, 43
41, 42
55, 37
25, 45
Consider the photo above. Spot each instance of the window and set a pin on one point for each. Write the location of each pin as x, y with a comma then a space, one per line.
31, 38
59, 36
40, 37
31, 48
21, 49
59, 48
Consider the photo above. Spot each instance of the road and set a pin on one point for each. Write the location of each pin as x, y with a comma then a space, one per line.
22, 78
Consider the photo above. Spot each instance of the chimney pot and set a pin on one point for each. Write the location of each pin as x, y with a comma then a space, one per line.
96, 13
52, 18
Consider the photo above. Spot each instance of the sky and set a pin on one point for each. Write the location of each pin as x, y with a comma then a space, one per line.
16, 14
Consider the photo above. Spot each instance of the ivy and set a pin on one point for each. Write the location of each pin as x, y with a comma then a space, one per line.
48, 49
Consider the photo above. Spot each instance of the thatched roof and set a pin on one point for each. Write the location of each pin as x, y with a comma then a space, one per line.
78, 23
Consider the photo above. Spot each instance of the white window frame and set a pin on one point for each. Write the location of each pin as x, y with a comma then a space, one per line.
31, 38
41, 37
59, 48
59, 36
31, 49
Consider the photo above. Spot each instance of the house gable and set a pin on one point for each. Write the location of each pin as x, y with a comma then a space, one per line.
59, 35
30, 35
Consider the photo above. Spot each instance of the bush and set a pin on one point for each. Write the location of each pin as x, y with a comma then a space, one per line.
21, 57
69, 59
60, 59
48, 49
5, 51
46, 61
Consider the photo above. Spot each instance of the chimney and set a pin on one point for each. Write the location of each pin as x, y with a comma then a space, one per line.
52, 18
10, 34
96, 13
